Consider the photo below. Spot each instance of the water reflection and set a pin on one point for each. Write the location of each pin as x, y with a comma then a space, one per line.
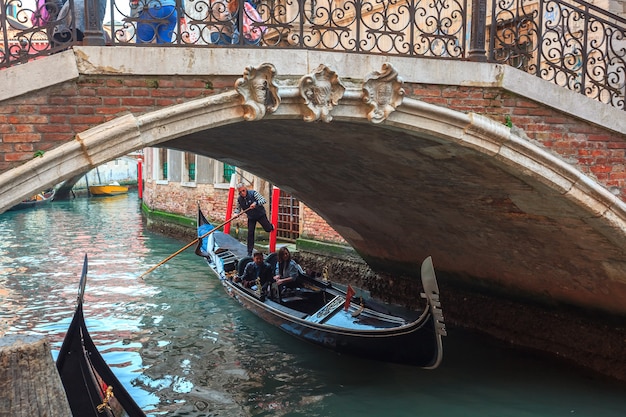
183, 348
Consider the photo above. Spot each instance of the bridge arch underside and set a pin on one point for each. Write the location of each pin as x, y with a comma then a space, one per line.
398, 196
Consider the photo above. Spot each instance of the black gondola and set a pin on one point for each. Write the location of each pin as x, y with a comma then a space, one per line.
35, 201
91, 387
315, 311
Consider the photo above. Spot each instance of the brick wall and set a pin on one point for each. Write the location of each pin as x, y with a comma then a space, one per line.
51, 116
47, 118
315, 228
176, 198
594, 150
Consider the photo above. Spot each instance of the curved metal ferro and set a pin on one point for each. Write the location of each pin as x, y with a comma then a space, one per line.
383, 92
321, 90
259, 91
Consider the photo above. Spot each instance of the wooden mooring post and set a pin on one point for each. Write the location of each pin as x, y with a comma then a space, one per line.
30, 385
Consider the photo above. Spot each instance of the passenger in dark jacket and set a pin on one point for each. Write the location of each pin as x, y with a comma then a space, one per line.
254, 200
257, 269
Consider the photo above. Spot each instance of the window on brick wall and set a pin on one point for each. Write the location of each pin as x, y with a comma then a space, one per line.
229, 170
160, 164
189, 168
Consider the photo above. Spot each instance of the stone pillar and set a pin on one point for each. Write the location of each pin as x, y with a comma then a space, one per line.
30, 385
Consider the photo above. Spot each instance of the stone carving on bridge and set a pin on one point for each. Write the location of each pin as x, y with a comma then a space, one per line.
321, 91
259, 91
383, 92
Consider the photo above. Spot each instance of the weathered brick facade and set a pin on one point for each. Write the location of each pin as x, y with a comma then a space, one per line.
314, 227
176, 198
183, 200
594, 150
49, 117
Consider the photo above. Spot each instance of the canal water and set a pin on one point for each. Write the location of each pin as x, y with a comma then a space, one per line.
183, 348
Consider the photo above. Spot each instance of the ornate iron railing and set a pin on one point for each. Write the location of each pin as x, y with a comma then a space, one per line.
399, 27
571, 43
27, 33
568, 42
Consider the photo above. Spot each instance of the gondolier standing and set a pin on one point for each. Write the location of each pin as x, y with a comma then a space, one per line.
254, 200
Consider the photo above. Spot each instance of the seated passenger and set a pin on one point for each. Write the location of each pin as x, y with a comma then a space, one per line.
286, 273
258, 268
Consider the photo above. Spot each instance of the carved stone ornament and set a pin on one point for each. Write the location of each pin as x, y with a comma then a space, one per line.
321, 91
383, 92
259, 91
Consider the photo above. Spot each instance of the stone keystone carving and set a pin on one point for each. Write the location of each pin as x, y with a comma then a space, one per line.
321, 91
259, 91
383, 92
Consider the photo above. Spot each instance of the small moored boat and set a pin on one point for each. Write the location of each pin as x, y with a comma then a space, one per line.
35, 201
324, 314
91, 387
107, 190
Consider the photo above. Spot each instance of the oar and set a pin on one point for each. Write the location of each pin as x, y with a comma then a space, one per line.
192, 243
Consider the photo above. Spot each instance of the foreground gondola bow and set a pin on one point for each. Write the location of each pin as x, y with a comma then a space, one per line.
315, 310
91, 387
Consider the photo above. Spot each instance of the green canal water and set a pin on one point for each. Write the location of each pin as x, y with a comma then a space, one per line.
184, 348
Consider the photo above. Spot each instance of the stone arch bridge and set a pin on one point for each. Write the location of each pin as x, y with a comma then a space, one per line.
511, 183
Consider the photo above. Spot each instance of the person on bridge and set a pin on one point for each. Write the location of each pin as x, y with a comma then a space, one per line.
254, 201
157, 20
223, 20
63, 31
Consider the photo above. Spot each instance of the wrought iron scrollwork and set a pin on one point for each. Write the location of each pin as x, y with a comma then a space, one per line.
572, 44
27, 30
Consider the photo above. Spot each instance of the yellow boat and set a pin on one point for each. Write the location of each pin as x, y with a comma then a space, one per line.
110, 189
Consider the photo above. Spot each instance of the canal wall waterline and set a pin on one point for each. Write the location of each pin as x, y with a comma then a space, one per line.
590, 340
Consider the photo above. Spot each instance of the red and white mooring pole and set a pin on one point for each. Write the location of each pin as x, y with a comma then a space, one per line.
229, 203
274, 233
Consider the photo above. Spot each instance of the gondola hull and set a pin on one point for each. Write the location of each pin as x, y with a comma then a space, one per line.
91, 387
35, 201
412, 344
318, 311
